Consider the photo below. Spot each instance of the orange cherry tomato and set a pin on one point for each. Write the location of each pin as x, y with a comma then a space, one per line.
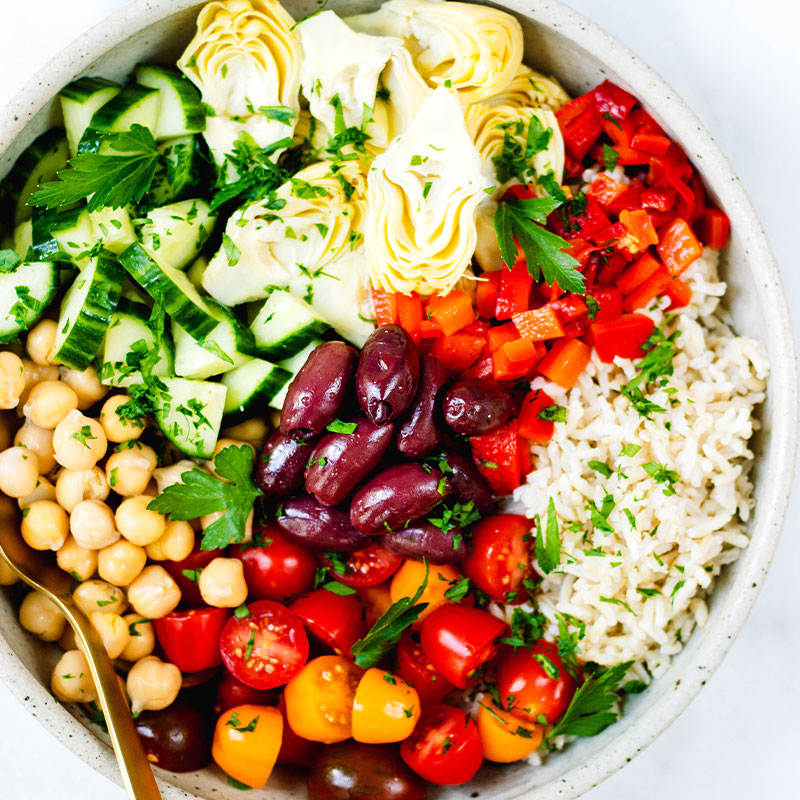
246, 743
409, 578
376, 600
506, 738
319, 699
385, 708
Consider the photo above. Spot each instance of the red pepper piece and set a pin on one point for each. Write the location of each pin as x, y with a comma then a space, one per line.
428, 329
630, 199
569, 308
679, 293
499, 335
658, 199
614, 265
565, 362
605, 189
641, 233
679, 247
538, 324
592, 219
637, 273
451, 312
514, 292
648, 291
531, 426
714, 228
623, 337
501, 457
614, 100
580, 250
652, 143
609, 304
611, 235
486, 294
385, 305
516, 359
459, 351
410, 314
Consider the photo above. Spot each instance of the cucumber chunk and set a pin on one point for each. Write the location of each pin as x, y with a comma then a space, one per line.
179, 171
252, 385
113, 228
285, 325
181, 107
134, 105
293, 366
177, 232
79, 101
25, 292
62, 234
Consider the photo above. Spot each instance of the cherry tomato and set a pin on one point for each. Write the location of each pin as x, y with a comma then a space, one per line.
190, 639
368, 567
445, 747
460, 641
246, 743
295, 750
409, 578
279, 569
335, 620
500, 557
385, 708
196, 560
415, 667
232, 692
520, 674
266, 649
376, 600
319, 699
506, 738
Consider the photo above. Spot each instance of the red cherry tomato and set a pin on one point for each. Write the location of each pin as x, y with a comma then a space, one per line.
460, 641
232, 692
368, 567
266, 649
295, 750
445, 747
500, 557
279, 569
335, 620
416, 668
196, 560
521, 675
190, 639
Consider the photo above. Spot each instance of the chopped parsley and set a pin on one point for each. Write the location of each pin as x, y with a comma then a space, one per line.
553, 414
548, 541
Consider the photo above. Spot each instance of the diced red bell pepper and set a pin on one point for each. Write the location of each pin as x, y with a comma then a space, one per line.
572, 167
652, 143
661, 198
637, 273
714, 228
605, 189
679, 293
531, 426
580, 250
428, 329
611, 236
641, 233
631, 198
565, 362
538, 324
592, 219
623, 337
477, 328
451, 312
502, 457
385, 305
644, 122
678, 247
496, 337
614, 265
674, 169
700, 198
569, 308
621, 134
514, 292
576, 329
648, 291
410, 314
517, 359
519, 191
609, 304
580, 125
459, 351
486, 293
614, 100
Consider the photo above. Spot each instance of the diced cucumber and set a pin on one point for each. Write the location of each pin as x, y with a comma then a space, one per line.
23, 239
177, 232
25, 292
179, 171
113, 227
38, 163
285, 325
252, 385
195, 272
293, 365
189, 413
181, 300
134, 105
86, 312
62, 234
181, 108
79, 101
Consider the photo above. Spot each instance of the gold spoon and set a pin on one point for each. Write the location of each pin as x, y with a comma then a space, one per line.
33, 568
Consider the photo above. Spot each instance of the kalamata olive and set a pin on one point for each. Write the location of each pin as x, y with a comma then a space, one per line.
340, 461
418, 434
318, 391
475, 407
178, 738
387, 374
283, 460
309, 523
468, 484
355, 771
424, 540
396, 496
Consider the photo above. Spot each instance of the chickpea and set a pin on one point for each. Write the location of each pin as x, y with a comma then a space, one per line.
7, 575
129, 471
80, 562
40, 440
92, 524
154, 594
121, 562
223, 444
34, 374
45, 525
167, 476
222, 583
72, 681
118, 429
49, 402
86, 385
8, 425
175, 544
253, 431
44, 490
68, 640
79, 441
19, 471
12, 379
40, 342
208, 519
113, 631
96, 595
142, 639
136, 523
41, 616
152, 684
75, 486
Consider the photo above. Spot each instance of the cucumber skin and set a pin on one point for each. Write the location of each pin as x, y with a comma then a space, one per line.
12, 336
105, 118
259, 400
291, 345
194, 115
79, 90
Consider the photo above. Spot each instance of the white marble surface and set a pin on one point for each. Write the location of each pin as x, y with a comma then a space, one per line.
737, 63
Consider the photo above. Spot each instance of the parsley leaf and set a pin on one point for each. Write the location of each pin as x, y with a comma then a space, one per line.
610, 156
553, 414
660, 474
334, 587
338, 426
548, 543
601, 467
655, 367
526, 628
9, 260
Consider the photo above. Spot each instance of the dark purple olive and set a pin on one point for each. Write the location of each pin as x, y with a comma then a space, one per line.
396, 496
317, 527
177, 738
283, 461
475, 407
424, 540
387, 374
466, 483
318, 391
342, 460
418, 434
355, 771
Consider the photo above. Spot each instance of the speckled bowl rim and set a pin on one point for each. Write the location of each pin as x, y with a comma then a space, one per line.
778, 468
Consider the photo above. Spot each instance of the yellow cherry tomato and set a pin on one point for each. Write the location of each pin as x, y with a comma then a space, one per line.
385, 708
246, 743
319, 699
506, 738
409, 578
376, 600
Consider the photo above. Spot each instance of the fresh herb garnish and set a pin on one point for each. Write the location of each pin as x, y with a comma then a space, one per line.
548, 542
601, 467
599, 516
610, 157
654, 368
334, 587
459, 589
553, 414
660, 474
235, 723
339, 426
83, 436
526, 628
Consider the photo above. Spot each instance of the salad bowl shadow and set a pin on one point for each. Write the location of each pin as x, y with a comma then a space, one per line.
580, 54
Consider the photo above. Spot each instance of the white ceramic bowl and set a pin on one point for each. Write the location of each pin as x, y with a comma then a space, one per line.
581, 54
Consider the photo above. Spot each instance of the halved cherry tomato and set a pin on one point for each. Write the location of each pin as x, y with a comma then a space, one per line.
190, 639
445, 747
319, 699
520, 674
266, 649
460, 641
232, 692
196, 560
506, 738
279, 569
335, 620
368, 567
295, 750
385, 708
415, 667
376, 600
500, 557
409, 578
246, 743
